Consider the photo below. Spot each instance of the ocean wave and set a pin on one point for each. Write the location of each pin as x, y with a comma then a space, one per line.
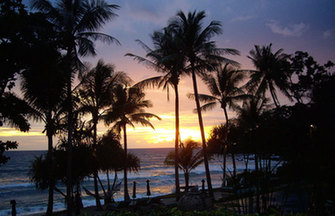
16, 185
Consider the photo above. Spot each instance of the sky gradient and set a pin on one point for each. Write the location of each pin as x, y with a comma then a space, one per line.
293, 25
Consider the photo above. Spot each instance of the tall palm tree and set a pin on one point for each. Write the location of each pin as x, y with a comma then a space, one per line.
190, 158
95, 94
166, 59
272, 70
128, 108
225, 92
43, 86
249, 118
200, 52
77, 22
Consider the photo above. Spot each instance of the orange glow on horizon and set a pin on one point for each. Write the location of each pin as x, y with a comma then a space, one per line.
139, 137
10, 132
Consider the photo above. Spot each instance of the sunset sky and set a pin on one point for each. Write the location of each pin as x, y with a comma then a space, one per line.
305, 25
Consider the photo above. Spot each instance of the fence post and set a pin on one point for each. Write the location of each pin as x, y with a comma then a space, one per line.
134, 189
203, 186
148, 188
13, 203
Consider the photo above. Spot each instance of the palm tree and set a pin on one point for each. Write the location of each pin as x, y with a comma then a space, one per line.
272, 71
249, 118
127, 109
95, 94
200, 52
110, 156
44, 90
189, 158
76, 22
166, 59
225, 92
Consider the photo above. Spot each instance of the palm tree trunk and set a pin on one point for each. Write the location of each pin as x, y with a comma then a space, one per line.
225, 145
204, 147
125, 180
114, 181
234, 163
274, 97
108, 181
257, 185
176, 162
224, 163
69, 200
95, 174
187, 178
51, 173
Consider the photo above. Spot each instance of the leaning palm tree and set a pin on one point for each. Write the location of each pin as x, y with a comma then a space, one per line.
190, 157
200, 52
166, 59
128, 108
77, 22
44, 90
271, 71
95, 92
226, 93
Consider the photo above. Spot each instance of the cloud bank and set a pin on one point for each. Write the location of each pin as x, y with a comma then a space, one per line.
293, 30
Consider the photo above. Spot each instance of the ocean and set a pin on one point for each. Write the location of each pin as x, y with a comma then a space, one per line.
15, 181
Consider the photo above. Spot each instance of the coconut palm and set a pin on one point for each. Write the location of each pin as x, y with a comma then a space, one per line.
44, 90
95, 93
200, 52
110, 157
225, 92
189, 158
77, 22
249, 118
128, 108
272, 70
166, 59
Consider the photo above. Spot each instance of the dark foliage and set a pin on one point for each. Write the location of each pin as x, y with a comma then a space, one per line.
5, 146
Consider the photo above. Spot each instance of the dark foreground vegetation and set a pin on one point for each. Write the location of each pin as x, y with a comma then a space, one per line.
291, 146
176, 212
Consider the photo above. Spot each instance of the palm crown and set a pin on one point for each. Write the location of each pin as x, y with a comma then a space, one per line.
223, 87
128, 108
77, 22
272, 70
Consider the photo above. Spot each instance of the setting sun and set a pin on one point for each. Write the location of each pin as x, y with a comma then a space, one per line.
164, 133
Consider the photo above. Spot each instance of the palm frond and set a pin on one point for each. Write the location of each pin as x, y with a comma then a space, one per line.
206, 107
94, 14
99, 36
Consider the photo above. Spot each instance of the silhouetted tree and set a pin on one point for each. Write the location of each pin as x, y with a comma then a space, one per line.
95, 94
76, 22
249, 119
272, 70
306, 73
225, 92
17, 34
200, 52
128, 108
165, 58
190, 156
43, 86
5, 146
